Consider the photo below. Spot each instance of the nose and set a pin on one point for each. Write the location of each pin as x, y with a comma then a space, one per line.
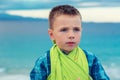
71, 35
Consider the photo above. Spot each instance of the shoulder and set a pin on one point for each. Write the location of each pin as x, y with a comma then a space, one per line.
43, 60
40, 69
90, 57
95, 67
92, 60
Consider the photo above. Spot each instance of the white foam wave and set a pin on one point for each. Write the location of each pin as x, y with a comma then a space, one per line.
113, 71
14, 77
2, 70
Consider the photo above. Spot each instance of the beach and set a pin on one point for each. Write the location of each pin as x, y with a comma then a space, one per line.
23, 42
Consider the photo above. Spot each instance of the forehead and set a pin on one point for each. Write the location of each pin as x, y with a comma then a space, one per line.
67, 20
64, 16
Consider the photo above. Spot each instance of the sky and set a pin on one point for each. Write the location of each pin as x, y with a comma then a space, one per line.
91, 10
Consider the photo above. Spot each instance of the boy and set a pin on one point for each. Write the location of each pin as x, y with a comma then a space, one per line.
66, 60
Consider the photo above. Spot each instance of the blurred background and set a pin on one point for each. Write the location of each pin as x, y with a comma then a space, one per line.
24, 38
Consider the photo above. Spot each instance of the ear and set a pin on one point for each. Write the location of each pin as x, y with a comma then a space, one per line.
50, 32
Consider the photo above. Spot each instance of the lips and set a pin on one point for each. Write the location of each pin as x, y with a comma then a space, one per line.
70, 43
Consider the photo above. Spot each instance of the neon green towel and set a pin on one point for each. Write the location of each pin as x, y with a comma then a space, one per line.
73, 66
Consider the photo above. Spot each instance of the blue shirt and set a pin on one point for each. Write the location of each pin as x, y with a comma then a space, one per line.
41, 69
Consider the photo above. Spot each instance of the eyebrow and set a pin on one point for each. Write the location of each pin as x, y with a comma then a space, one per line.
68, 28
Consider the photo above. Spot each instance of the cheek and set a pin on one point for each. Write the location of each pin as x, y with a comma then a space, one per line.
78, 37
58, 35
59, 39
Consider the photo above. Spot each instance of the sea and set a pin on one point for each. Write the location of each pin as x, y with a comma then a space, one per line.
23, 42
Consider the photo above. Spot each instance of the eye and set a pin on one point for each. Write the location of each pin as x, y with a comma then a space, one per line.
63, 29
76, 29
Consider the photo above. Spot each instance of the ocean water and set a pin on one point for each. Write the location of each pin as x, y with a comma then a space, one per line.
22, 42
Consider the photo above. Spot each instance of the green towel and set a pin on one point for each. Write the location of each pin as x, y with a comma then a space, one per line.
73, 66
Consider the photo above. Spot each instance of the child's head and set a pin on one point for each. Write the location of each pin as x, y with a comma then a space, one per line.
65, 27
62, 10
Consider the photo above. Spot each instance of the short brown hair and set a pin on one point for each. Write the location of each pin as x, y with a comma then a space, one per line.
62, 10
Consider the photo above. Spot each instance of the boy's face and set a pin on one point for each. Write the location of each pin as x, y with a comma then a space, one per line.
66, 32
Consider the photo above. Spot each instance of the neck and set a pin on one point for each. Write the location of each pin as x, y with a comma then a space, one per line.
65, 52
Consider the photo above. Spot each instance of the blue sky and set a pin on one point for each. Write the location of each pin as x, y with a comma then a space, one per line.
38, 4
92, 10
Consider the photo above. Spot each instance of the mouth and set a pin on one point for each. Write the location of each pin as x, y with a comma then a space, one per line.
70, 43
